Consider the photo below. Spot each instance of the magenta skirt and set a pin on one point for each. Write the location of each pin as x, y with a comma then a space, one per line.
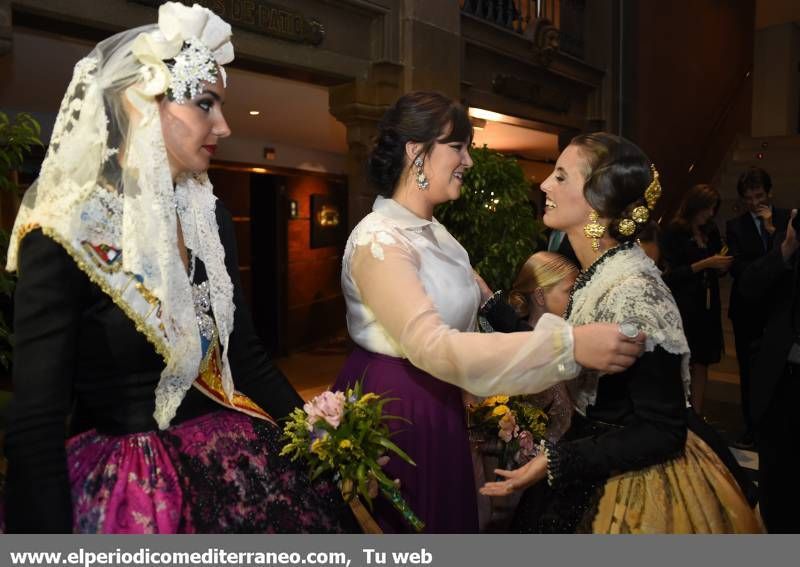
218, 473
441, 488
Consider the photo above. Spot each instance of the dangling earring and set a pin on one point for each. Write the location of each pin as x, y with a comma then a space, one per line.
594, 230
422, 181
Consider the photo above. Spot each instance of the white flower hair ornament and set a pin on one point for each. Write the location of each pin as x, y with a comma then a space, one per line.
188, 49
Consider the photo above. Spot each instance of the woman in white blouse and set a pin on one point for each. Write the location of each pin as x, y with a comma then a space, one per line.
412, 304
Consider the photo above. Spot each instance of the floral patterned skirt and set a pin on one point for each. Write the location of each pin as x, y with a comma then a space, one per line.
218, 473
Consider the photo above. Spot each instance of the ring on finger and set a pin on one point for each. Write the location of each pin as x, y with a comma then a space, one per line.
629, 329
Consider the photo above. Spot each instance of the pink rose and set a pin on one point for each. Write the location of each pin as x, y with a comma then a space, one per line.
328, 406
508, 427
527, 448
526, 443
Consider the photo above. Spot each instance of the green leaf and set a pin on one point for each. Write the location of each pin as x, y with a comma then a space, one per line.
394, 448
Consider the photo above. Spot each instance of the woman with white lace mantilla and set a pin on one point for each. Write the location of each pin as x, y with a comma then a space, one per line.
412, 303
129, 309
627, 464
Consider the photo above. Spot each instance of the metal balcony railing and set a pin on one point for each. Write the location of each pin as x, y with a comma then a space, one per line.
515, 15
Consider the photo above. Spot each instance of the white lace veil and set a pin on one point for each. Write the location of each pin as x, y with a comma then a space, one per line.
106, 181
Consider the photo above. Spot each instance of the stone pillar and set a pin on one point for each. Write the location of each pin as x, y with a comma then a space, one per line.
431, 46
359, 105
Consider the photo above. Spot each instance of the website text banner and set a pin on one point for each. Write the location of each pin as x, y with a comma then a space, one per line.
395, 551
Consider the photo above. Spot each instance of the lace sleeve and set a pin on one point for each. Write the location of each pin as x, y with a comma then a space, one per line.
385, 271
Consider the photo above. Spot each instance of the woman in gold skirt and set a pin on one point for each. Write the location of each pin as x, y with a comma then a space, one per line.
627, 464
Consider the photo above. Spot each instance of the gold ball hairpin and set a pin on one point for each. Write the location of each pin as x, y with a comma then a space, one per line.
626, 227
640, 214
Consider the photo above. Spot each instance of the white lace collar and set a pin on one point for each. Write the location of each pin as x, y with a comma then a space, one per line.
624, 284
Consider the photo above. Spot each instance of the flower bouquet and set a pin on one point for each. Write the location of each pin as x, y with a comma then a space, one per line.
346, 433
508, 428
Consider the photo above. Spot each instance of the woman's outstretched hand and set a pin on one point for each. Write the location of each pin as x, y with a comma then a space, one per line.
601, 346
518, 479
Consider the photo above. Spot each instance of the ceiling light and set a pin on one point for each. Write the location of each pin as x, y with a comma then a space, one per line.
255, 112
485, 114
478, 123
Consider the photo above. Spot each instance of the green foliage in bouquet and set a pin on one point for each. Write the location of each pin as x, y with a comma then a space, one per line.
493, 219
17, 138
345, 433
510, 427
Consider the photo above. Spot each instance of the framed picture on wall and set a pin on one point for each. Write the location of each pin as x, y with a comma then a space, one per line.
328, 221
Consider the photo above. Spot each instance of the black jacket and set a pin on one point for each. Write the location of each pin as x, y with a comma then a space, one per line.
74, 348
746, 246
771, 284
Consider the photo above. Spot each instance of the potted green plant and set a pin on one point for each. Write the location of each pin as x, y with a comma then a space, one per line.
17, 137
494, 219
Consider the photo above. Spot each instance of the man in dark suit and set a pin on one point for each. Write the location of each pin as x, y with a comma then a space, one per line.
749, 237
773, 284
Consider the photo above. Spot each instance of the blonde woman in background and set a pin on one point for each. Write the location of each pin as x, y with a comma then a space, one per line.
542, 286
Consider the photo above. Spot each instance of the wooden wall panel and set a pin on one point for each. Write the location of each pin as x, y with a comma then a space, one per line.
689, 95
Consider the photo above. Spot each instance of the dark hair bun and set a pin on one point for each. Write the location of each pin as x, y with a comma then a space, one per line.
620, 174
385, 161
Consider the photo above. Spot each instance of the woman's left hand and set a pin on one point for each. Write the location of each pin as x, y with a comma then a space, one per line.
518, 479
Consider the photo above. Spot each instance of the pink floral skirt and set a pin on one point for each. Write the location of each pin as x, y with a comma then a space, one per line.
218, 473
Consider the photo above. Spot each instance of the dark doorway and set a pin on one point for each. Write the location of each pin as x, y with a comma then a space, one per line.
269, 207
257, 202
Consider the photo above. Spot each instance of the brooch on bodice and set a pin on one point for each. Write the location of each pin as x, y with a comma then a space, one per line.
201, 295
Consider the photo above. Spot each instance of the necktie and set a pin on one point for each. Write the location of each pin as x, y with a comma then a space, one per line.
764, 234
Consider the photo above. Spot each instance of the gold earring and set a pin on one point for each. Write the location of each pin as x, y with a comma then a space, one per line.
594, 230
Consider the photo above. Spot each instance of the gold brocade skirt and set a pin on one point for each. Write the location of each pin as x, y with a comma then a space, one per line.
694, 493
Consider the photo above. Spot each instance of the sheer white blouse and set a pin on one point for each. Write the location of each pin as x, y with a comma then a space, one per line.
410, 293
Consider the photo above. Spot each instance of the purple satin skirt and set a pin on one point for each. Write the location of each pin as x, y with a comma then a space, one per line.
441, 488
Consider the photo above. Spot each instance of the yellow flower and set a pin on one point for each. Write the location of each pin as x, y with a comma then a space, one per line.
500, 410
369, 396
318, 447
345, 444
494, 400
